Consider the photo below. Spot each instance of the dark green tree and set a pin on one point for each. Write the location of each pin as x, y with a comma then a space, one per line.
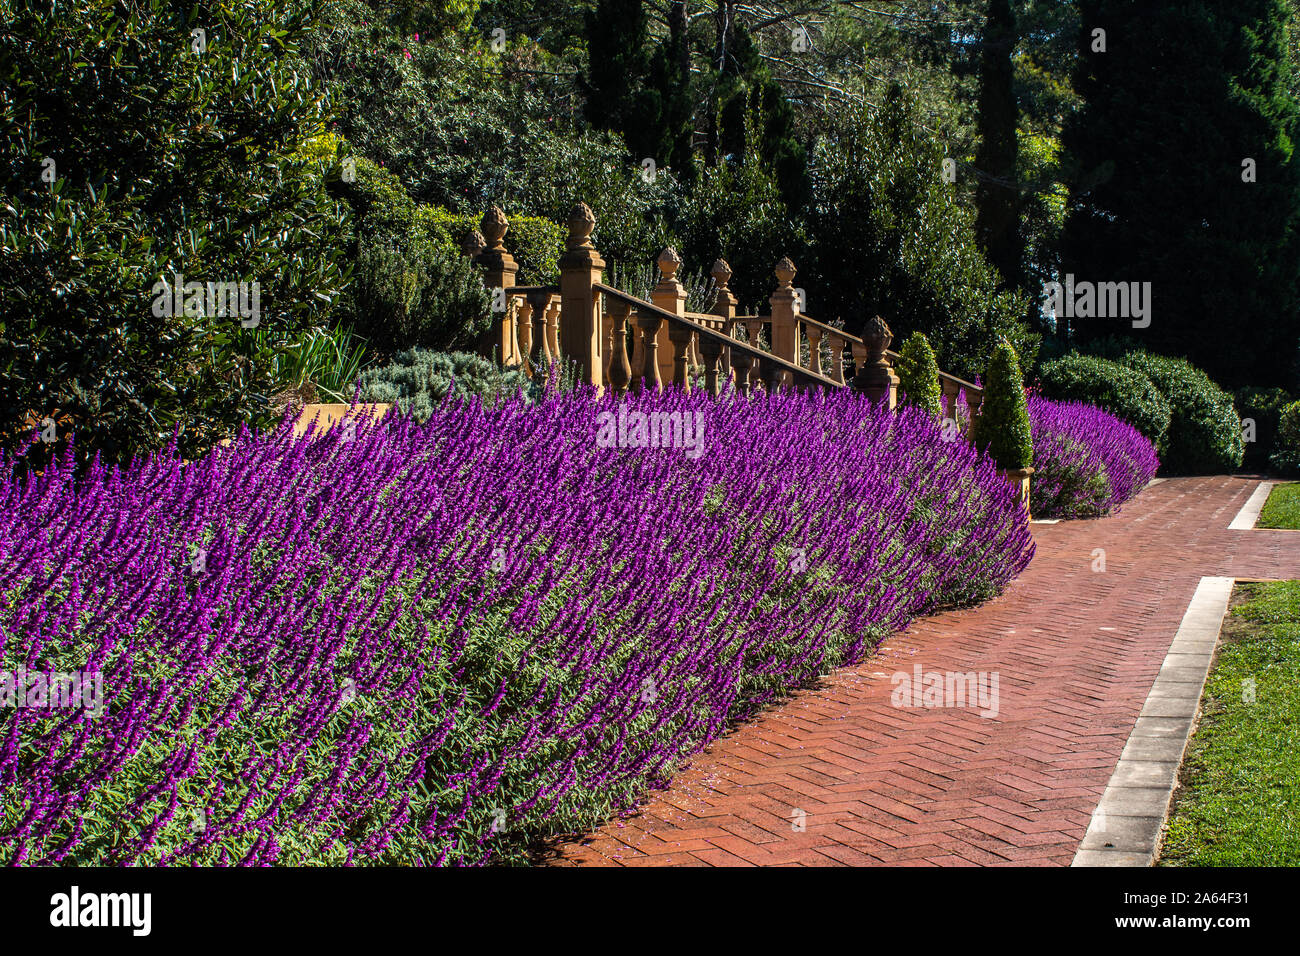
997, 193
669, 84
1184, 175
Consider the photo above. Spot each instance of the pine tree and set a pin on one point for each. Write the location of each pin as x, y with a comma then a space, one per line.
1184, 177
997, 197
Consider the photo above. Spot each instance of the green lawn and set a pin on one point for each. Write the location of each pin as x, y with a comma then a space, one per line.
1239, 804
1282, 510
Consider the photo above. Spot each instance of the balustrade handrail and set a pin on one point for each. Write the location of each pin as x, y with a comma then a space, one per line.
720, 338
531, 289
855, 340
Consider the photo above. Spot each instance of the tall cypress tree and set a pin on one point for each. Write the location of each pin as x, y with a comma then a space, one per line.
997, 196
1184, 177
670, 85
747, 93
618, 66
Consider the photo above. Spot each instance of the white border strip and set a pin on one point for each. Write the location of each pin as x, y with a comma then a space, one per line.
1249, 513
1128, 823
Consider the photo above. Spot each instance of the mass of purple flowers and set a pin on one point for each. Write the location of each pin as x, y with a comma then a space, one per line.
1087, 462
438, 643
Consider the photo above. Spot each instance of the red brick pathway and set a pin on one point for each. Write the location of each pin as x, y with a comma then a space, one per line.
1076, 652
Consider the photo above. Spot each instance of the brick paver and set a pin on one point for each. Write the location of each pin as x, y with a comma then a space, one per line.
1076, 652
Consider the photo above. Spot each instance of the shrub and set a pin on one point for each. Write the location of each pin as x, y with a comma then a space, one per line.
918, 375
1087, 462
438, 643
164, 163
1204, 431
1286, 449
418, 295
418, 380
1264, 407
536, 244
1003, 425
1118, 389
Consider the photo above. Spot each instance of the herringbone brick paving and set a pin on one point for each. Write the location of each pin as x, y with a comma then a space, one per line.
1076, 652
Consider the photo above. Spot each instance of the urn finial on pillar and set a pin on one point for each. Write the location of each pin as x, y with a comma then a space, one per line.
876, 378
473, 244
582, 222
493, 227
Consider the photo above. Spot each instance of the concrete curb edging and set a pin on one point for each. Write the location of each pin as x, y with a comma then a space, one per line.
1249, 513
1126, 826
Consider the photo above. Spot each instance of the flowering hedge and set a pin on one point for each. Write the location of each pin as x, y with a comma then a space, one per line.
1087, 462
438, 643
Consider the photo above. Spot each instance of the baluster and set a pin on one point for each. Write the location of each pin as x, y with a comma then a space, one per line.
974, 399
680, 343
815, 349
524, 324
553, 309
711, 351
606, 341
649, 325
620, 372
742, 364
837, 359
950, 392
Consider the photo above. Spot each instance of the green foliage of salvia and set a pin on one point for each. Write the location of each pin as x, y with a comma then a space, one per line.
918, 375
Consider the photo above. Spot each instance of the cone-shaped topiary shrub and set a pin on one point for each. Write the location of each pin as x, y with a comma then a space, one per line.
918, 374
1003, 429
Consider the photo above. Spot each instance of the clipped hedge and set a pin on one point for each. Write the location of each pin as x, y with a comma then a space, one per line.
1264, 407
1119, 389
1286, 447
535, 243
1204, 434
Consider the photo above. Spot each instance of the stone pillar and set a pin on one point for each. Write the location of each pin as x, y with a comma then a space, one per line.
876, 377
580, 268
499, 271
785, 316
670, 296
